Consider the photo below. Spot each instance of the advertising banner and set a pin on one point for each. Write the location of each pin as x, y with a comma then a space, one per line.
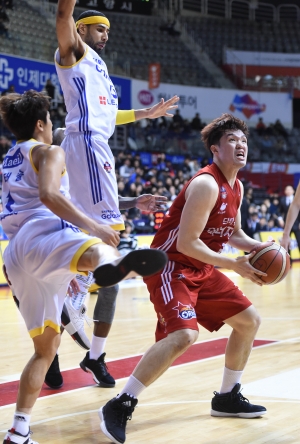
25, 74
255, 58
212, 102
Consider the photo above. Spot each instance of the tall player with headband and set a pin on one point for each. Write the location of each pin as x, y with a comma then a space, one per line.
92, 106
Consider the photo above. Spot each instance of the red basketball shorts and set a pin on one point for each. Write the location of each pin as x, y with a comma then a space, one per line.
183, 297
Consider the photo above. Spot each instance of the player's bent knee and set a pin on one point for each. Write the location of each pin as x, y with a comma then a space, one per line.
183, 339
46, 344
96, 254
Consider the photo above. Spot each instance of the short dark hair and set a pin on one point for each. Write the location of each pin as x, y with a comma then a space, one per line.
91, 13
212, 133
20, 112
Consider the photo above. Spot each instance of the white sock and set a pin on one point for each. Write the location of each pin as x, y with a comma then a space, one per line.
21, 423
133, 387
97, 347
230, 379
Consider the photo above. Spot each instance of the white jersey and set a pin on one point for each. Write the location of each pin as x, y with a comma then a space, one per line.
20, 190
90, 96
92, 106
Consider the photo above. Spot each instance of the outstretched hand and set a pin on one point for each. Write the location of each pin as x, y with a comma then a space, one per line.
162, 108
150, 202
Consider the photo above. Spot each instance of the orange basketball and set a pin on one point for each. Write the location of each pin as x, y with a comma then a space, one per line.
272, 259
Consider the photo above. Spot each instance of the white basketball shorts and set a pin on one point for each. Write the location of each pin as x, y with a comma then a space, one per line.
40, 262
93, 185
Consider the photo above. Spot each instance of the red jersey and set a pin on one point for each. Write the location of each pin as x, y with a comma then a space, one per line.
219, 227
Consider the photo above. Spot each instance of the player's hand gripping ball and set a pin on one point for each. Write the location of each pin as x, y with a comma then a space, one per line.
272, 259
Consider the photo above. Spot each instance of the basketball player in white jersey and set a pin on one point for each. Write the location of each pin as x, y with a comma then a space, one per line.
46, 248
74, 310
92, 106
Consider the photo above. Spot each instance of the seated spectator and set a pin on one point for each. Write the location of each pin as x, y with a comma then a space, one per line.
280, 129
267, 144
253, 225
128, 241
121, 188
263, 212
194, 166
126, 169
281, 147
260, 127
186, 169
142, 223
177, 120
196, 123
263, 224
274, 207
272, 225
11, 89
173, 194
50, 89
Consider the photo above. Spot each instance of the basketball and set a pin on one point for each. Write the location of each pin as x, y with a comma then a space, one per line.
272, 259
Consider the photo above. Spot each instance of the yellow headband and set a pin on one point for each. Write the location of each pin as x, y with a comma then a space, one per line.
94, 20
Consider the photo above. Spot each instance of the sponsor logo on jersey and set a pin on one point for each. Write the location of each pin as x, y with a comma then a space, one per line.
105, 101
181, 276
221, 231
185, 312
13, 161
110, 214
107, 167
223, 192
19, 175
228, 221
222, 208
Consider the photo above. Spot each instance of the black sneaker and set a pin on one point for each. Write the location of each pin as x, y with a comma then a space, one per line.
143, 262
234, 404
114, 416
98, 368
53, 376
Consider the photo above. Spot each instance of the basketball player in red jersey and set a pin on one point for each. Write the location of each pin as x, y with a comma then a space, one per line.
190, 290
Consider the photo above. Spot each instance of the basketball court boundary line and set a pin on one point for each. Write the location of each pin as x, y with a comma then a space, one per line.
149, 404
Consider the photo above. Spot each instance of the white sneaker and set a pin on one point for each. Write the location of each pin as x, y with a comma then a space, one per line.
84, 283
13, 437
73, 321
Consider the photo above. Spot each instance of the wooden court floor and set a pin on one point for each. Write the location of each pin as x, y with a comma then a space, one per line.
175, 409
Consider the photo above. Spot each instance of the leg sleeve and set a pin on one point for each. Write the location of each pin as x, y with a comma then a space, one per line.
106, 304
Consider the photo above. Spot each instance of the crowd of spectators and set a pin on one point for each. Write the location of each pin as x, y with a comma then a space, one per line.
165, 178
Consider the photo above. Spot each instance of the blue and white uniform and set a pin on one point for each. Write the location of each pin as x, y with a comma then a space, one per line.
42, 255
92, 104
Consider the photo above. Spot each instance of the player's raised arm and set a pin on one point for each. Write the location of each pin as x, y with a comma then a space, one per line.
71, 47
